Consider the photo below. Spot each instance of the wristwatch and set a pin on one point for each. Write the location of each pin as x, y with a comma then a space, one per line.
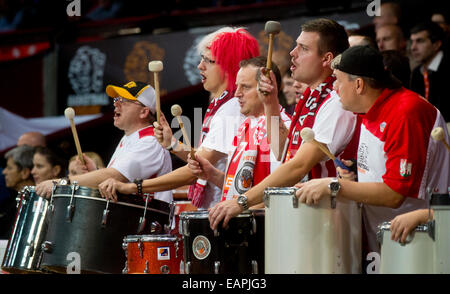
242, 201
138, 183
171, 146
334, 187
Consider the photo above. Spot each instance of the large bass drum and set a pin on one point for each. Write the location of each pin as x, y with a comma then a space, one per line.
415, 256
237, 249
23, 252
303, 239
85, 232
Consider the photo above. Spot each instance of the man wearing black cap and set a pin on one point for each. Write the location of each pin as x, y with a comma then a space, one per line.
397, 159
138, 154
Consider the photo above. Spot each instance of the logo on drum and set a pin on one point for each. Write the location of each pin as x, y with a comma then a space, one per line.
201, 247
244, 178
163, 253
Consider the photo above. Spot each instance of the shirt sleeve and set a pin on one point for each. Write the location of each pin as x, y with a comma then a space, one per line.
142, 160
333, 125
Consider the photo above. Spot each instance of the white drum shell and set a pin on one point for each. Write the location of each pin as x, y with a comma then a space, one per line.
442, 239
413, 257
311, 239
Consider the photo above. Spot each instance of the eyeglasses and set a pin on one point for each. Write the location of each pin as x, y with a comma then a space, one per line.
121, 100
207, 60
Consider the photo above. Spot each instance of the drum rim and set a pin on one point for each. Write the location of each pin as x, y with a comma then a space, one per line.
111, 202
150, 238
386, 226
202, 214
280, 191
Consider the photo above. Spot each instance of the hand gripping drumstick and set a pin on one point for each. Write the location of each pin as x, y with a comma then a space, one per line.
438, 135
156, 67
307, 135
272, 28
70, 114
176, 111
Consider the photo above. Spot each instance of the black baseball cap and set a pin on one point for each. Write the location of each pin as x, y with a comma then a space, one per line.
365, 61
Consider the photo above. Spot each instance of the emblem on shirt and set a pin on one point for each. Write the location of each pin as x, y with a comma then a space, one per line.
244, 178
405, 168
382, 126
201, 247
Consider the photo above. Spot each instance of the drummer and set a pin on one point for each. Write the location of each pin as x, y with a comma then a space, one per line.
252, 159
138, 155
397, 159
221, 52
319, 42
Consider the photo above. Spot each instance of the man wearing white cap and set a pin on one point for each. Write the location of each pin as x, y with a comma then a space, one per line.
138, 155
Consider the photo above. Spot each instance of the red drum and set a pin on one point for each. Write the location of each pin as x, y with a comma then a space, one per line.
153, 254
179, 207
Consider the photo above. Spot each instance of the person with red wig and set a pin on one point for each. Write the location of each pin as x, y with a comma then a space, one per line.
221, 52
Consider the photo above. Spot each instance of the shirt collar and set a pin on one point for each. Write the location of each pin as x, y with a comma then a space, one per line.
374, 110
434, 64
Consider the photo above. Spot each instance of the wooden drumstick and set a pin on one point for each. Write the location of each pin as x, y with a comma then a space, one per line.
70, 114
438, 134
271, 28
156, 67
176, 112
307, 135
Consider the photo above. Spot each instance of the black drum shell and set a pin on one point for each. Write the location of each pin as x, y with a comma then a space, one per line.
99, 247
235, 246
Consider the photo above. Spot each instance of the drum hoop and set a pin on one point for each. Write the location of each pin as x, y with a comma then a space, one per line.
104, 200
185, 215
280, 191
386, 226
149, 238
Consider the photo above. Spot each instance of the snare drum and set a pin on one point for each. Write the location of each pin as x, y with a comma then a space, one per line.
87, 231
415, 256
319, 239
153, 254
23, 252
238, 249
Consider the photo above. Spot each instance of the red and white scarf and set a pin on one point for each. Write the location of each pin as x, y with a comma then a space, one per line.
305, 113
197, 191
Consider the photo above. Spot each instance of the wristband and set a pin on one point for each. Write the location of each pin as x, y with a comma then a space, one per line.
138, 183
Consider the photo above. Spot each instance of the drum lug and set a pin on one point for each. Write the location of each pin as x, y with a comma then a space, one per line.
187, 267
431, 229
294, 201
266, 199
155, 228
217, 267
183, 226
70, 212
380, 236
105, 215
31, 249
125, 269
216, 233
47, 247
164, 269
146, 267
176, 248
333, 202
253, 226
254, 267
171, 216
141, 248
125, 248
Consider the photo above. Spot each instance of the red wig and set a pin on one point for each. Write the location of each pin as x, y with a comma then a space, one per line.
229, 48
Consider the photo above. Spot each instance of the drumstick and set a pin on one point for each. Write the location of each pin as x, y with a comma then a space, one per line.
438, 135
176, 111
271, 28
307, 135
70, 114
156, 67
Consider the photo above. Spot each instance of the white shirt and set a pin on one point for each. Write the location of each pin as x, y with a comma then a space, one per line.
139, 155
223, 128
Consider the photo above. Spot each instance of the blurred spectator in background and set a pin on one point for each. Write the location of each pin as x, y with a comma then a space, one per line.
441, 20
355, 39
430, 78
47, 165
398, 65
390, 13
77, 168
292, 90
19, 162
33, 139
390, 37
